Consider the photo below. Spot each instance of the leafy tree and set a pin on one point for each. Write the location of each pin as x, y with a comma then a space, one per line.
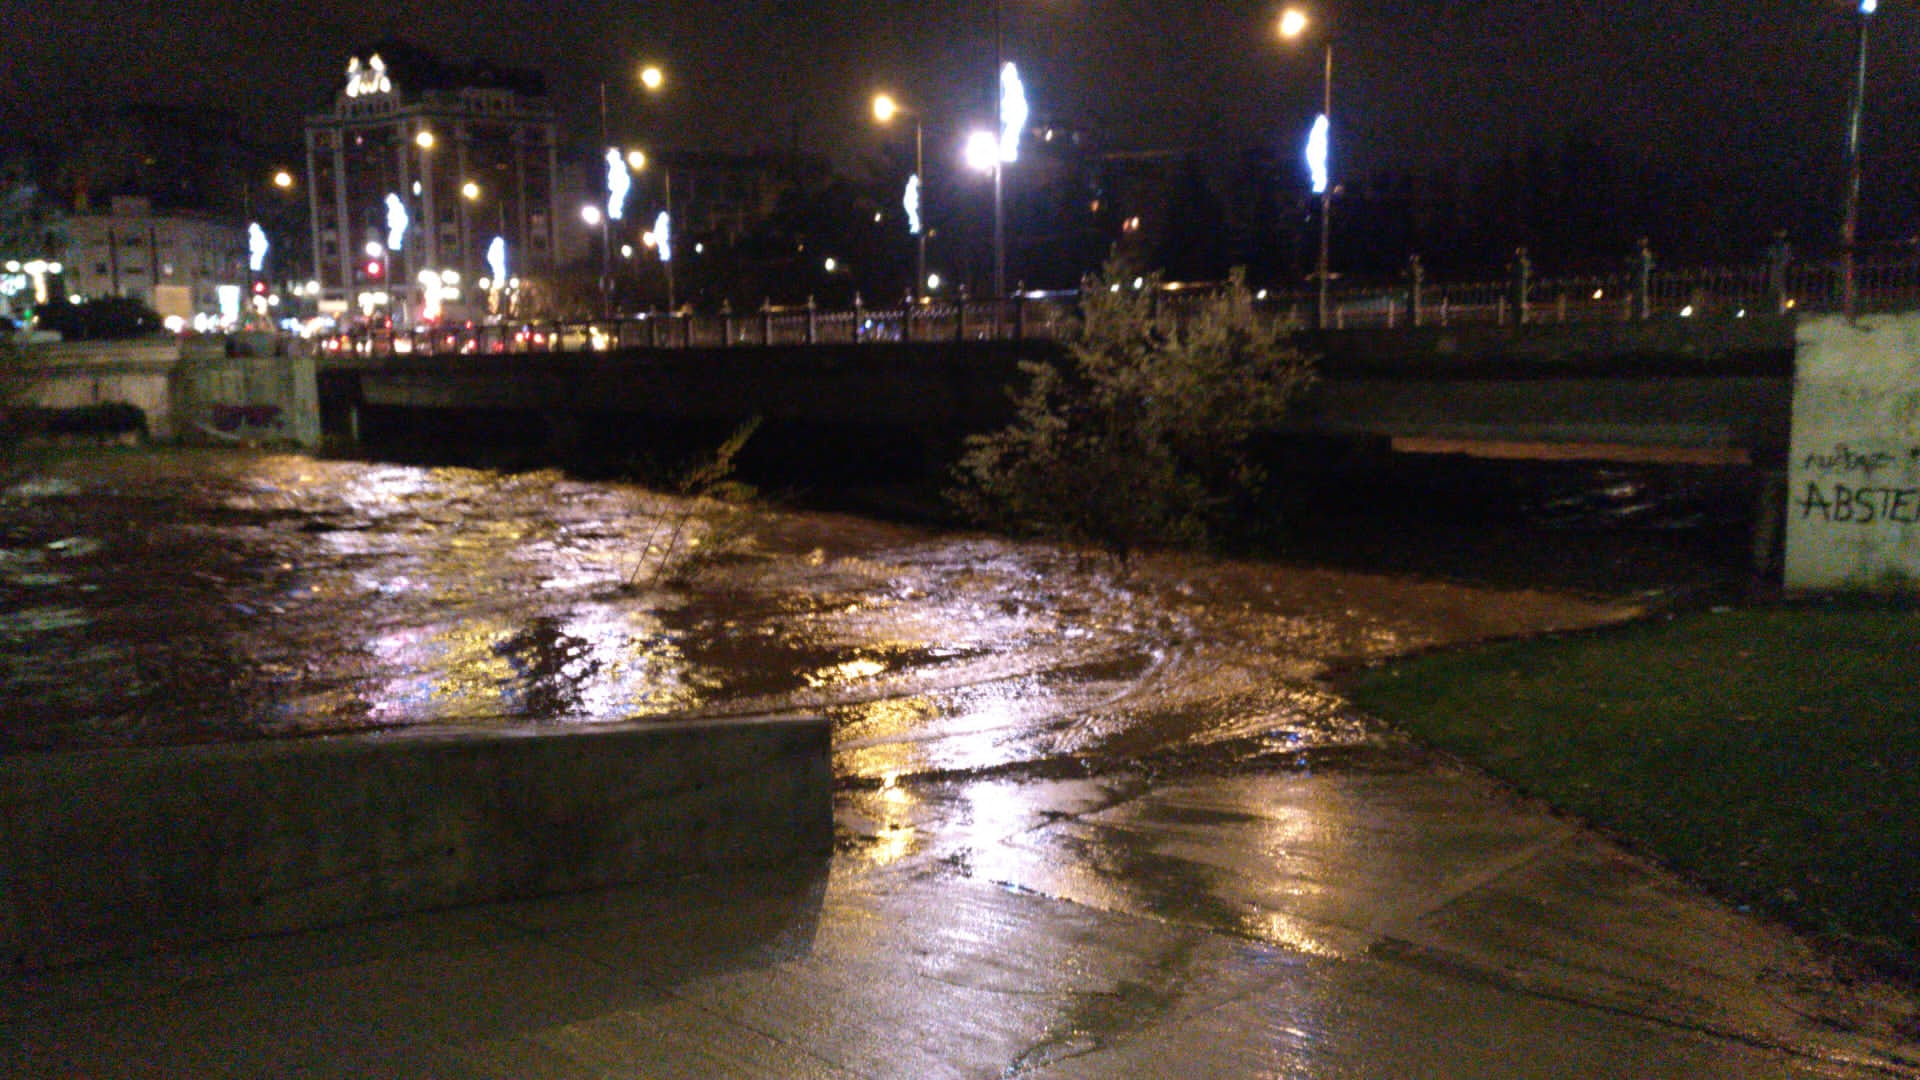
1139, 437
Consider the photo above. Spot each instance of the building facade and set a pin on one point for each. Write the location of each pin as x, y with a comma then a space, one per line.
178, 264
416, 171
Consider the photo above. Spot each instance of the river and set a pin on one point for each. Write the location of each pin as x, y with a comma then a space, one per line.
158, 597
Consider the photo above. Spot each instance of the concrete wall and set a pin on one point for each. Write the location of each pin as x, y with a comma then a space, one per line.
70, 375
113, 852
247, 388
1853, 492
260, 388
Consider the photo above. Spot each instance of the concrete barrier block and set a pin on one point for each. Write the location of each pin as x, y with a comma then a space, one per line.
114, 852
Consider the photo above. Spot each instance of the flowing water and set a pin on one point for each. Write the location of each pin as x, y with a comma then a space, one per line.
164, 597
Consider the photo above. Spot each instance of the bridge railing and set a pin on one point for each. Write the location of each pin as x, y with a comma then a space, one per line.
1716, 292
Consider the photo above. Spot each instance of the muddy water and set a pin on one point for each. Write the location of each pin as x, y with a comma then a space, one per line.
166, 597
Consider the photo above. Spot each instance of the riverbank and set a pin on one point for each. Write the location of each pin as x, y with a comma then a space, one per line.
1765, 753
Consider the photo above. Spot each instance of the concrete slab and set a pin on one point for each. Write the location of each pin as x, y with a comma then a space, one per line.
1411, 921
111, 852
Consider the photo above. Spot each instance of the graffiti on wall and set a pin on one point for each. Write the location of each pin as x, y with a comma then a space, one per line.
1848, 485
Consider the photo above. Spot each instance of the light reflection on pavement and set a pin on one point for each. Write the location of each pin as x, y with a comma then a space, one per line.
1093, 815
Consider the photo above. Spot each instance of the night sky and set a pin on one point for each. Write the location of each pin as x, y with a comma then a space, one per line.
1750, 95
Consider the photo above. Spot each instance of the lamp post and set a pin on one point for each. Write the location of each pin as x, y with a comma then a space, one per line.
999, 124
1850, 219
885, 109
619, 175
1294, 23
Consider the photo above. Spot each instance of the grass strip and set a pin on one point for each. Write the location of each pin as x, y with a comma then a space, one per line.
1770, 754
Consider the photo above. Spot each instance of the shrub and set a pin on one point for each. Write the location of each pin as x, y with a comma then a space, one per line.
1139, 438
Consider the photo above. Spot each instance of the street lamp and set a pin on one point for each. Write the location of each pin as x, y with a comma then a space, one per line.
1293, 25
619, 180
884, 110
1850, 219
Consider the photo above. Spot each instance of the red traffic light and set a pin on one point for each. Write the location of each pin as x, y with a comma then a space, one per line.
373, 268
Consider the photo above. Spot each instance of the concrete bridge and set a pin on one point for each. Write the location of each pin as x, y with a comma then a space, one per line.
1706, 389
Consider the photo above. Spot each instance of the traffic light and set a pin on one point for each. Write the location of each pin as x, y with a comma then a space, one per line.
373, 268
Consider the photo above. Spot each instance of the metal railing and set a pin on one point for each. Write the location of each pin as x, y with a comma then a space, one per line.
1704, 293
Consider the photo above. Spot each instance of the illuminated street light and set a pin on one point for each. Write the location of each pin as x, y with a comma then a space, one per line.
885, 108
1293, 25
591, 215
470, 191
283, 180
982, 152
424, 140
652, 78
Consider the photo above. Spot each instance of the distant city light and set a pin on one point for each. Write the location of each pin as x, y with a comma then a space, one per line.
982, 152
619, 183
1868, 7
369, 78
1317, 148
497, 258
283, 179
470, 191
397, 222
662, 235
1013, 113
885, 108
590, 214
637, 160
933, 282
257, 247
832, 265
424, 140
652, 77
912, 204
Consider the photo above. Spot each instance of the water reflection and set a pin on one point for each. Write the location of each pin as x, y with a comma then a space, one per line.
174, 596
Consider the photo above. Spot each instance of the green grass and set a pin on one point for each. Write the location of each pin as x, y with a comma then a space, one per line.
1772, 755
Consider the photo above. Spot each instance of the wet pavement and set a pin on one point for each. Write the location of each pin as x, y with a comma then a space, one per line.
1094, 821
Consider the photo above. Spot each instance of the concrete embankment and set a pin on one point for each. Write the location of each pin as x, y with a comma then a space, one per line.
115, 852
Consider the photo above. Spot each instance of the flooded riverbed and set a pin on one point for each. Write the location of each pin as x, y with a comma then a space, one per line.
163, 597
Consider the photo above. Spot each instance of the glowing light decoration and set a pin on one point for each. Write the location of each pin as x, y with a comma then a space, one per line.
257, 247
619, 184
1013, 113
912, 204
1318, 142
229, 298
368, 79
497, 258
663, 236
397, 222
